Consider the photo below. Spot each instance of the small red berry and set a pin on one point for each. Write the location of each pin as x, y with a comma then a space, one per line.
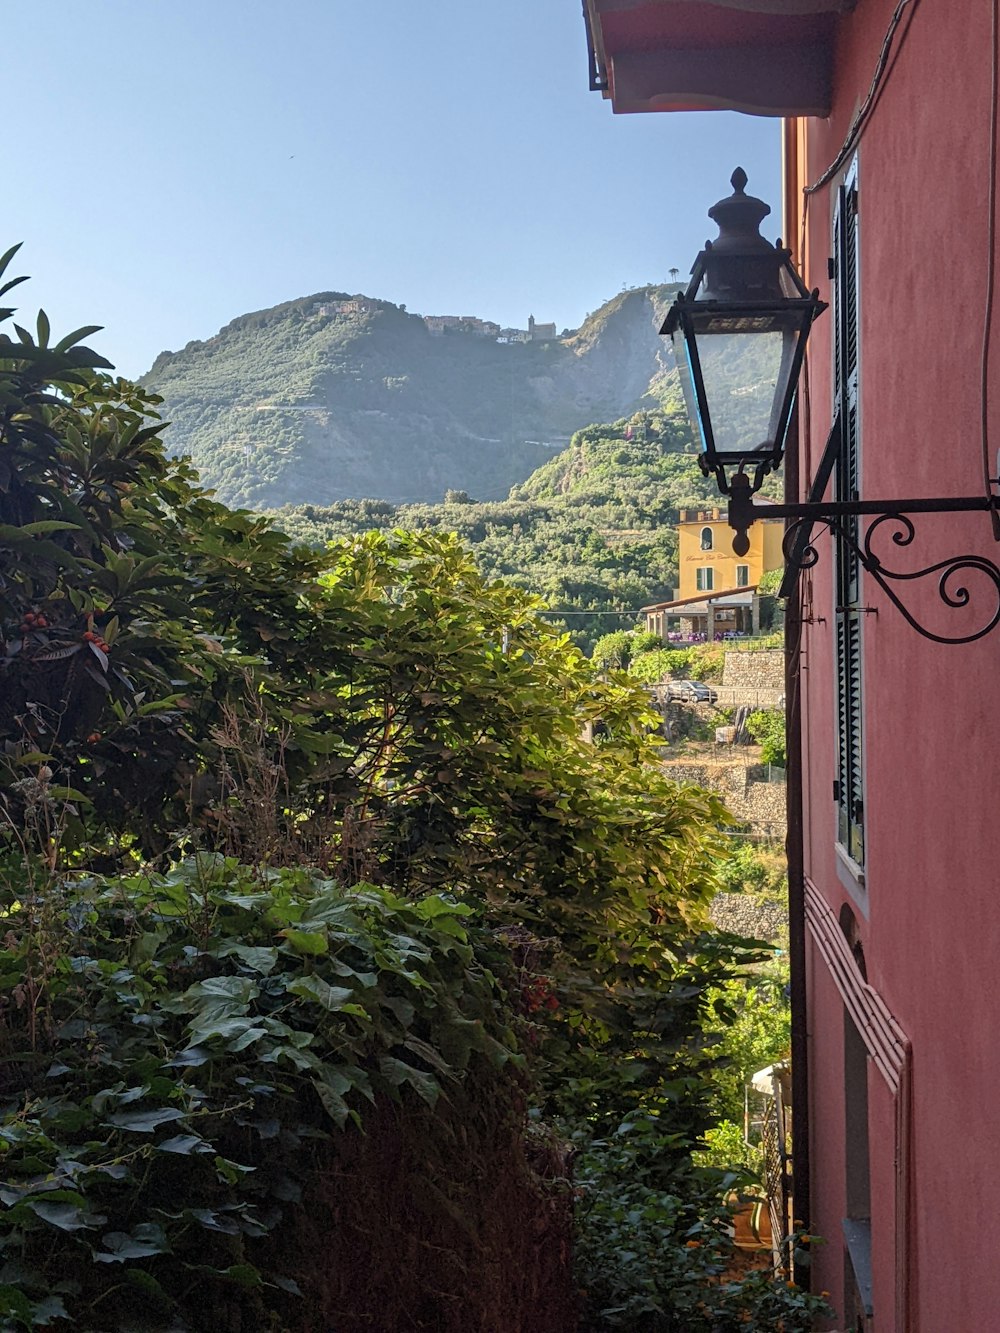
90, 637
30, 617
40, 622
93, 738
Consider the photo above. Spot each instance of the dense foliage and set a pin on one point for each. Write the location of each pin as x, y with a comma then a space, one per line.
183, 1043
754, 868
767, 727
594, 532
290, 838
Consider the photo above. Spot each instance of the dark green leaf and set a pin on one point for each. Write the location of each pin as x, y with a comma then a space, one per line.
145, 1122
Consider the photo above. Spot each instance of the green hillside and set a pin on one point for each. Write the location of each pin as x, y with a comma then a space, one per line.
343, 414
301, 404
593, 531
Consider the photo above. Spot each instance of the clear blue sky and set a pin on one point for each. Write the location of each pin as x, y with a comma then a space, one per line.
171, 164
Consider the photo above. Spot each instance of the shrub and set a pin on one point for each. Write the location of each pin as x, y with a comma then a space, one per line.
644, 641
623, 646
767, 726
727, 1150
707, 661
751, 1023
652, 667
662, 664
205, 1039
749, 868
769, 583
656, 1260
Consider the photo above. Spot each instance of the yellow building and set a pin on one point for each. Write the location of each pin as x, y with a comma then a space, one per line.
705, 557
717, 595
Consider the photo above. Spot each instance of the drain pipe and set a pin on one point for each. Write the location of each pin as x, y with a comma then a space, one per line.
797, 927
794, 221
794, 852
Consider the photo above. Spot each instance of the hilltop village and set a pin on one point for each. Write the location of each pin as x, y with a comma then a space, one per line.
442, 324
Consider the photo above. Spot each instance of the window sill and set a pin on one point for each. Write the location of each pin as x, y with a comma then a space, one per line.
852, 876
847, 863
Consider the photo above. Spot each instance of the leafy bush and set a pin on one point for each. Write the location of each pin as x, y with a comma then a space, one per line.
623, 647
652, 667
194, 1034
767, 727
613, 650
709, 661
769, 582
653, 1259
751, 868
727, 1150
662, 664
754, 1032
644, 641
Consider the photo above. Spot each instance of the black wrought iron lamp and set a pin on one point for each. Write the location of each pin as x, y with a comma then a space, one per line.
739, 334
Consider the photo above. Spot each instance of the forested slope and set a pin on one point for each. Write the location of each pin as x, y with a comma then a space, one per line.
592, 532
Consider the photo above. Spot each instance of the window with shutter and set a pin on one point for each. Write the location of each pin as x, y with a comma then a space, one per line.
849, 790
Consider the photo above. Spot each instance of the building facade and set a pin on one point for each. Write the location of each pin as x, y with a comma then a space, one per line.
717, 591
706, 561
890, 207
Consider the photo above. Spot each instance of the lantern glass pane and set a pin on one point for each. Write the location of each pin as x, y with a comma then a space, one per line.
685, 373
746, 373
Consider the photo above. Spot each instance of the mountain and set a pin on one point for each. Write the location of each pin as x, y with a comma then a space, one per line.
334, 397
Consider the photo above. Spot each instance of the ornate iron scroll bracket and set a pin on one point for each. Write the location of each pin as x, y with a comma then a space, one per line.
952, 574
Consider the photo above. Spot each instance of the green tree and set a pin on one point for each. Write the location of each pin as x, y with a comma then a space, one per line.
180, 678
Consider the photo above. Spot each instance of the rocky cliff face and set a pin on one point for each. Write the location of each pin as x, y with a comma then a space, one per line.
304, 404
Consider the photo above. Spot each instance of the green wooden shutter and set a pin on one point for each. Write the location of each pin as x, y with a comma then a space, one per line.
850, 710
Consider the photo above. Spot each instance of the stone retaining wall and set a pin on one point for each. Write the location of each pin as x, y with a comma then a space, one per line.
738, 696
743, 914
750, 800
761, 670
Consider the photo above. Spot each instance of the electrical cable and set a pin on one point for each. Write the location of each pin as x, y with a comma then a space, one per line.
882, 67
850, 143
871, 98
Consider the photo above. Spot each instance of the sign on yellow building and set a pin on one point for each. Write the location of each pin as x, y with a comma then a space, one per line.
705, 556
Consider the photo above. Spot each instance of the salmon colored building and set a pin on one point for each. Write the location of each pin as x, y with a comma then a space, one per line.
890, 157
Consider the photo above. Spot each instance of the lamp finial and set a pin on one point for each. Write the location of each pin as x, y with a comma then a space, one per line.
738, 218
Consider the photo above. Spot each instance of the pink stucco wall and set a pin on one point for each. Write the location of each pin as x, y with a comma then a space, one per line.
929, 911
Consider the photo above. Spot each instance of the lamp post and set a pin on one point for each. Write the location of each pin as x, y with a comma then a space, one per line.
739, 335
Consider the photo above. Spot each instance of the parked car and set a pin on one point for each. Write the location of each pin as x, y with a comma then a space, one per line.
691, 691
